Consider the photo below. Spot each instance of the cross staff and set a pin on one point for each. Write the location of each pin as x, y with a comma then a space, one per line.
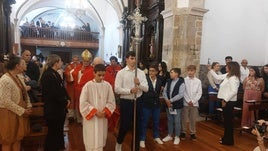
137, 20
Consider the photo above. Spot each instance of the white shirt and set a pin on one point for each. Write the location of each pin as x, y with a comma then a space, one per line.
124, 82
228, 88
244, 73
193, 90
213, 81
153, 82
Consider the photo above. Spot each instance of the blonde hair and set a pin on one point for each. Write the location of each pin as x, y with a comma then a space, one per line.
191, 67
51, 60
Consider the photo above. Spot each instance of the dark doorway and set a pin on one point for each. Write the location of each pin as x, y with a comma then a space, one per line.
65, 56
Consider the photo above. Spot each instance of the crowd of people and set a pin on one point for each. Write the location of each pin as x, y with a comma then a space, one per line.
41, 23
226, 83
88, 92
48, 30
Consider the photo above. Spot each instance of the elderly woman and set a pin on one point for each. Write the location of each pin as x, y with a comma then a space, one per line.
56, 101
15, 105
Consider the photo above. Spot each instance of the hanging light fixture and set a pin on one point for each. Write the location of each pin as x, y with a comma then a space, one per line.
77, 7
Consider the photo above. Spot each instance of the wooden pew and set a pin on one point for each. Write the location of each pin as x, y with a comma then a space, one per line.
255, 106
237, 108
36, 138
204, 104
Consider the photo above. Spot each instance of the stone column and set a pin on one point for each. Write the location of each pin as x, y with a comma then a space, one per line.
182, 33
7, 12
2, 26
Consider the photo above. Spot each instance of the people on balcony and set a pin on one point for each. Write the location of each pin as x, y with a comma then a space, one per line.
50, 31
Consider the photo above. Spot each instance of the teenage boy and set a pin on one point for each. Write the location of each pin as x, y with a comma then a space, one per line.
97, 103
173, 94
151, 105
130, 89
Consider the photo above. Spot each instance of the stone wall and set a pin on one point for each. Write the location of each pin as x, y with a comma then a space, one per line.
182, 35
187, 43
203, 75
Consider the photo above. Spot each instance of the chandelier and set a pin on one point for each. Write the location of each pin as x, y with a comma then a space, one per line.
77, 7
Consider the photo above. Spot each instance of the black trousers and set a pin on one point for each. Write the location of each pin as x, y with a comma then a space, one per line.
228, 115
126, 120
55, 137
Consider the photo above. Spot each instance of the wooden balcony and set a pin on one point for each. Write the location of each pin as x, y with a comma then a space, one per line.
51, 37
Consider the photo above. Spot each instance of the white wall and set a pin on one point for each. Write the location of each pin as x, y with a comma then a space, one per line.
112, 35
237, 28
111, 41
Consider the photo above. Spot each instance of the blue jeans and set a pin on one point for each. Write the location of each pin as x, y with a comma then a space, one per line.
174, 119
147, 112
214, 104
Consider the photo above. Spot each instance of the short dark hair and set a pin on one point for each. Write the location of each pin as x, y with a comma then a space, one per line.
154, 66
228, 57
99, 67
176, 70
113, 58
263, 73
130, 53
13, 61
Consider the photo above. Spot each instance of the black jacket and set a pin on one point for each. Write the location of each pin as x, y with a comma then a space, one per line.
151, 98
54, 95
33, 71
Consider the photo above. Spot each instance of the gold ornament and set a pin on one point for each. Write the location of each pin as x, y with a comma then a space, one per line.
86, 55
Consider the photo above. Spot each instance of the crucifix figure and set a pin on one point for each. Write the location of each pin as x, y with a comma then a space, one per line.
137, 21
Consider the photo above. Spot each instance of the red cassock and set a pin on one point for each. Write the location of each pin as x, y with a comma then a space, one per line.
110, 74
75, 77
70, 85
87, 75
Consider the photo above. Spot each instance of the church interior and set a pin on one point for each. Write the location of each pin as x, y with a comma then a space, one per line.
177, 32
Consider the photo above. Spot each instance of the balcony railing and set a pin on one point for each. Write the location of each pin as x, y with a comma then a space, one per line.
58, 34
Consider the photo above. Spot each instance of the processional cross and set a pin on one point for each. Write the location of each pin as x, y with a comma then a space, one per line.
137, 20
